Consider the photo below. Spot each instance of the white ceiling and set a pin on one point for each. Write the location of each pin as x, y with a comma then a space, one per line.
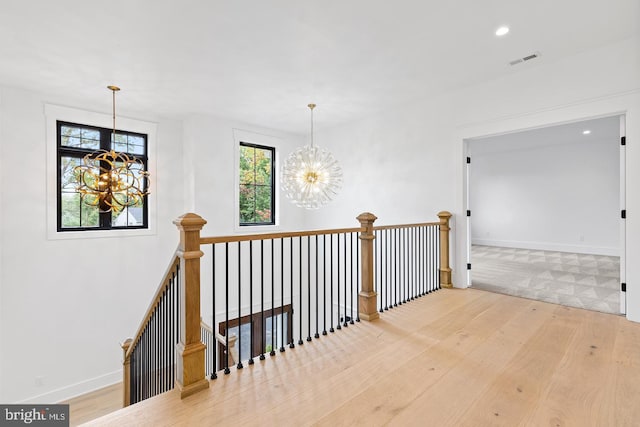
602, 130
262, 62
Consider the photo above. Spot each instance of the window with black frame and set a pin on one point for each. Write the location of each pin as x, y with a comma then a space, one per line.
74, 142
257, 185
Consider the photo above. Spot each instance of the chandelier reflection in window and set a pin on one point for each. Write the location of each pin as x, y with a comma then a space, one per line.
110, 180
311, 176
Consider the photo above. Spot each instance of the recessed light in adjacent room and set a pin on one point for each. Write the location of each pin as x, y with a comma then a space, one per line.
502, 31
586, 132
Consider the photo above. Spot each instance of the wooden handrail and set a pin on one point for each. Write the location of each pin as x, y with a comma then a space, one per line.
394, 227
267, 236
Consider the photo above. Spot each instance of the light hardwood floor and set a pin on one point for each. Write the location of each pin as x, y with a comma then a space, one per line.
453, 358
96, 404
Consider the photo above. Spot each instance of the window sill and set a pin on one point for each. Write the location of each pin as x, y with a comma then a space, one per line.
99, 234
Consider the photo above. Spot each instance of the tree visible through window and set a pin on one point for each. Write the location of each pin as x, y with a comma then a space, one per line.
257, 184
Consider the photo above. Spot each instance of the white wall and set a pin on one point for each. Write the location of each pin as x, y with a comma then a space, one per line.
550, 189
406, 163
597, 83
64, 324
66, 304
396, 165
211, 168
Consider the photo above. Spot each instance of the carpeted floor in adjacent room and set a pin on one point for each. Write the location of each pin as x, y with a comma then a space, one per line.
575, 280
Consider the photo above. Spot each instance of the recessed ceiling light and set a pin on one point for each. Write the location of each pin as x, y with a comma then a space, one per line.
502, 31
586, 132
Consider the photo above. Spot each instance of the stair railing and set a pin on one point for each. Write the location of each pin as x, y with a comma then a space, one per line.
168, 348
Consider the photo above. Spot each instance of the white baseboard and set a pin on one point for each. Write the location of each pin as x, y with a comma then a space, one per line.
546, 246
69, 392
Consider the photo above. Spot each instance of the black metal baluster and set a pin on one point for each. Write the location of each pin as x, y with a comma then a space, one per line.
167, 339
239, 340
419, 261
282, 349
425, 259
150, 357
399, 267
331, 281
171, 343
324, 284
317, 335
344, 243
396, 289
300, 342
143, 366
291, 344
432, 278
274, 323
377, 255
251, 349
226, 310
412, 263
214, 344
358, 265
132, 374
141, 377
430, 260
338, 288
133, 386
152, 354
352, 321
262, 325
147, 363
437, 256
434, 266
405, 264
420, 258
308, 288
154, 350
178, 308
161, 350
403, 259
176, 321
385, 248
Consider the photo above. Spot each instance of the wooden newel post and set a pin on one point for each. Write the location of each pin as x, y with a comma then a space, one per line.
126, 373
190, 369
445, 270
368, 297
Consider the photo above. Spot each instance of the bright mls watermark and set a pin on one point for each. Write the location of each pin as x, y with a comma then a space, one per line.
34, 415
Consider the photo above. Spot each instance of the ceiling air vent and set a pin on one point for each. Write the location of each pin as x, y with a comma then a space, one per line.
534, 55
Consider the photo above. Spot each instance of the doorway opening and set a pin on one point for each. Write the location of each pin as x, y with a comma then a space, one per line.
544, 214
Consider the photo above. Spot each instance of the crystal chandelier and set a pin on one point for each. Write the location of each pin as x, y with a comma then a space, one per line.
112, 180
311, 176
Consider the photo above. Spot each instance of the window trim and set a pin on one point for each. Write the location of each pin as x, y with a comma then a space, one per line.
273, 185
55, 113
240, 135
64, 151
